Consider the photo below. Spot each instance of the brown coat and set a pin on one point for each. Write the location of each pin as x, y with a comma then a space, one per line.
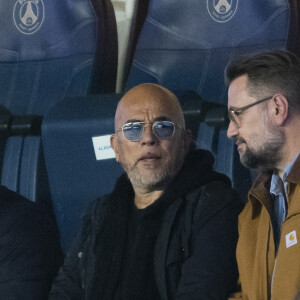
256, 249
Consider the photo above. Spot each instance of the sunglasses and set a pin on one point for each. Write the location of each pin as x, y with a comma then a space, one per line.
233, 114
133, 131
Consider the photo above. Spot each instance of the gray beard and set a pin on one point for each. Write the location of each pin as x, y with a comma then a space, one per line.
159, 179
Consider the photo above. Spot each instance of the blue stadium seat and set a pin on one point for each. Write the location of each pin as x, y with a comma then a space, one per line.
76, 170
75, 175
49, 50
187, 45
184, 45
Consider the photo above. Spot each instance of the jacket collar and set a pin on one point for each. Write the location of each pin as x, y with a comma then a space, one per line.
196, 171
294, 176
259, 193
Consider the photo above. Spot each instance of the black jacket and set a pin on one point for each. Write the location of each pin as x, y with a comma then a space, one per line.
195, 250
30, 253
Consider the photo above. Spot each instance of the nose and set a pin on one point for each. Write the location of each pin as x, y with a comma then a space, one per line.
231, 130
148, 137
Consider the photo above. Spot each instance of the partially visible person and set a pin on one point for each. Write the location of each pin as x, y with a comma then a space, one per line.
264, 112
168, 230
30, 253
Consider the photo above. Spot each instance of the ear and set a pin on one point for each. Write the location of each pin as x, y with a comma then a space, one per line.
113, 143
280, 109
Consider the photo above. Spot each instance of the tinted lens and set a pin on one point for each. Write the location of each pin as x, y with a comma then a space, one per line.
133, 131
164, 129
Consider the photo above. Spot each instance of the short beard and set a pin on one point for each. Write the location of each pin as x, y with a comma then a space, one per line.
159, 179
264, 156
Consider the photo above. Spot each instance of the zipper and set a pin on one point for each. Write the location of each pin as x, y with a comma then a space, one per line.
276, 253
84, 263
89, 244
84, 279
273, 275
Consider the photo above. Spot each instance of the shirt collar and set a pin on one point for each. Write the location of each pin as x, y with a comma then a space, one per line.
276, 187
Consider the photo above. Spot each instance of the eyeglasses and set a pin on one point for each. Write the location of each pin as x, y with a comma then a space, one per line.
233, 114
133, 131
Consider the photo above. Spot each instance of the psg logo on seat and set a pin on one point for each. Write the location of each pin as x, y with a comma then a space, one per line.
28, 15
222, 10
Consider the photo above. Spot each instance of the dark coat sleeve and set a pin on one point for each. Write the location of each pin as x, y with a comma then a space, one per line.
30, 252
210, 270
69, 282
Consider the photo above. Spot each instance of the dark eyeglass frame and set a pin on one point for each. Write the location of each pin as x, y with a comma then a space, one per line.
234, 113
153, 124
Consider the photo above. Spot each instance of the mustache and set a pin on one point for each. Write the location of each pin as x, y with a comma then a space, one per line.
138, 160
238, 140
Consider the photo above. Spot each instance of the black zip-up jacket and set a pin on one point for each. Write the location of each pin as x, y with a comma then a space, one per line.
194, 256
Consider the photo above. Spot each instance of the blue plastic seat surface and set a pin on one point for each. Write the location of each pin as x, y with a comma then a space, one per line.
45, 55
75, 175
186, 45
50, 50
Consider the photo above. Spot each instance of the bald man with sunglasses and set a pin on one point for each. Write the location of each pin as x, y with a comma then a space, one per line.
264, 113
168, 230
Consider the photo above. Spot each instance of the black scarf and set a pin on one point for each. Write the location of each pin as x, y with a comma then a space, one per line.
111, 239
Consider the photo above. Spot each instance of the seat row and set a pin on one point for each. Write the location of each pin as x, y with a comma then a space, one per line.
58, 67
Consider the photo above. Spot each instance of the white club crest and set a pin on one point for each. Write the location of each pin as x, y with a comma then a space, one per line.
222, 7
222, 10
29, 15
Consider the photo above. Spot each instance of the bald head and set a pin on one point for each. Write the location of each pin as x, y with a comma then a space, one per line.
150, 161
149, 98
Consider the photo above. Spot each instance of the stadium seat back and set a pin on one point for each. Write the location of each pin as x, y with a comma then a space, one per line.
186, 45
49, 50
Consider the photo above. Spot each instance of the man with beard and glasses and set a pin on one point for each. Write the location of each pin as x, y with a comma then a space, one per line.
264, 113
168, 230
